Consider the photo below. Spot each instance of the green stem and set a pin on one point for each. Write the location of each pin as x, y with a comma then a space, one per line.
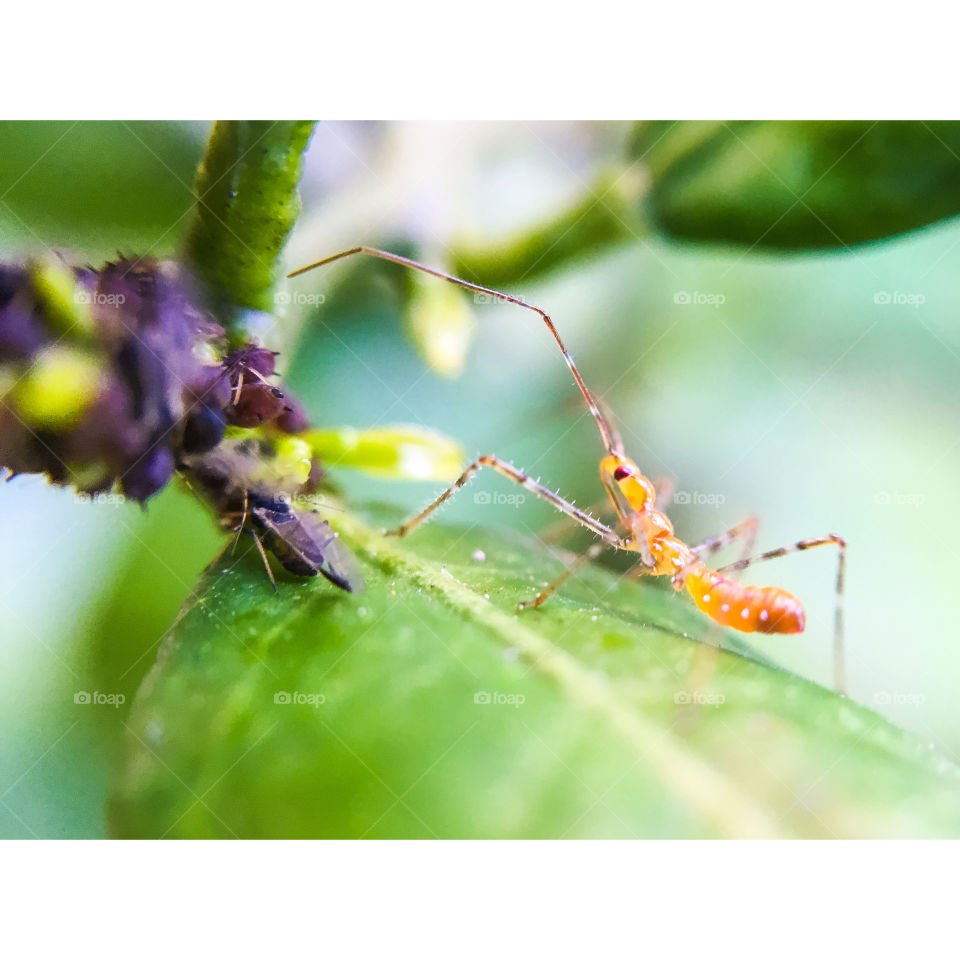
246, 204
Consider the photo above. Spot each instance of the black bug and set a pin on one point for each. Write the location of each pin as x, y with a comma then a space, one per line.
250, 485
304, 543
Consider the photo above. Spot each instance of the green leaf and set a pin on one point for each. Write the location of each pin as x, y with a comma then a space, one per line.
794, 185
428, 707
247, 203
604, 216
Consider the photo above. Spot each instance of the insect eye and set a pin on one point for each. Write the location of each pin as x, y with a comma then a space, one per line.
621, 473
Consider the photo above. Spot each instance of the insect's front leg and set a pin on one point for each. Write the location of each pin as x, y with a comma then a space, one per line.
508, 470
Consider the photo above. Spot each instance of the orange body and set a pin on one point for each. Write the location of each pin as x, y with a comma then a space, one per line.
731, 604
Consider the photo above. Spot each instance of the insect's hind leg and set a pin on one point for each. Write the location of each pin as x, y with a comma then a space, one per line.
508, 470
839, 668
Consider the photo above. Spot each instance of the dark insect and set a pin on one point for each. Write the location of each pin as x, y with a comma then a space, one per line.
304, 543
254, 400
254, 484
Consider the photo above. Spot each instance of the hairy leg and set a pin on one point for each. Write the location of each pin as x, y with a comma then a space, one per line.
508, 470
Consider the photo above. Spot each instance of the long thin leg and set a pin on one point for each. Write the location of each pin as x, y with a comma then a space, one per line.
641, 567
745, 529
560, 528
664, 487
266, 562
243, 522
550, 589
839, 669
508, 470
611, 439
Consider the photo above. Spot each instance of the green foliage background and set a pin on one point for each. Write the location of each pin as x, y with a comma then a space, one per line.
820, 394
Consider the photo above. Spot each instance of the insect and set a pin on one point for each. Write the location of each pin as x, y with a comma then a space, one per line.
643, 528
254, 484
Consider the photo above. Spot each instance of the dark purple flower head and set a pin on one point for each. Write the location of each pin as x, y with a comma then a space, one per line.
150, 474
252, 359
163, 395
22, 330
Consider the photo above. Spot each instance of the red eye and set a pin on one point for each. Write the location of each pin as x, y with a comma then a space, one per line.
621, 472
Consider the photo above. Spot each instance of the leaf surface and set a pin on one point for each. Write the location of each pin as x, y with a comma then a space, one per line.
427, 707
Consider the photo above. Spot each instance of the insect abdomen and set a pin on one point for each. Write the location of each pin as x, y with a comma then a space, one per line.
732, 604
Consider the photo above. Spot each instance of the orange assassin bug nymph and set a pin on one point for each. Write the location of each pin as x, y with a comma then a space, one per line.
646, 530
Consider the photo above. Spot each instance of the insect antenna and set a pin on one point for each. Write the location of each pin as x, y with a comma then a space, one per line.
611, 439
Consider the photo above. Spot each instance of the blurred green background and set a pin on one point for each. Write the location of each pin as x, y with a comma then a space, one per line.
817, 389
